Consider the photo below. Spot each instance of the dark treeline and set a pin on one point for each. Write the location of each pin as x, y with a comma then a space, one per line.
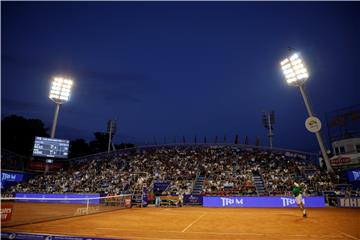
18, 135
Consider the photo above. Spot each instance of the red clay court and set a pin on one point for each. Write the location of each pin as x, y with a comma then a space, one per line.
206, 223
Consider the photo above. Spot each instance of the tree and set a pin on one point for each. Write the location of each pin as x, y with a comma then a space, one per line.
78, 148
124, 146
100, 144
18, 133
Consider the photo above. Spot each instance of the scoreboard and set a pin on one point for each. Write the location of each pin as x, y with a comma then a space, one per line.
51, 147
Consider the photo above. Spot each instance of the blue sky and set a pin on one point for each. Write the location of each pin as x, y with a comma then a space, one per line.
179, 68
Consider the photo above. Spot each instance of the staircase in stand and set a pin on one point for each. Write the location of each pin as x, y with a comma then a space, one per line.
259, 185
198, 185
136, 198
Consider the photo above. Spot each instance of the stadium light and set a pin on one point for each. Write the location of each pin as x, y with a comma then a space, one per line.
59, 93
296, 74
294, 70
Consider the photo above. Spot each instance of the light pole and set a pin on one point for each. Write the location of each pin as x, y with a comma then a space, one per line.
296, 74
111, 128
269, 121
59, 93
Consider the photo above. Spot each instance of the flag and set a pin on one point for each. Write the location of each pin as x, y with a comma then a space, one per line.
237, 139
257, 141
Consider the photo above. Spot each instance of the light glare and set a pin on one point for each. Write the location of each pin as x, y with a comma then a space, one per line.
60, 89
294, 69
284, 62
294, 56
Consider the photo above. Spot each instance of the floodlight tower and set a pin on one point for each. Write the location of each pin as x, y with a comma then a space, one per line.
269, 121
296, 74
111, 128
59, 93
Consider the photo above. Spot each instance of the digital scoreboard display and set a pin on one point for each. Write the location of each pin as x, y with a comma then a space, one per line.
51, 147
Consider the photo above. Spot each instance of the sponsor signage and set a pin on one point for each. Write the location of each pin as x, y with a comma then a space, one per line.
262, 202
342, 160
144, 197
191, 199
6, 212
10, 178
60, 198
36, 165
313, 124
353, 175
353, 202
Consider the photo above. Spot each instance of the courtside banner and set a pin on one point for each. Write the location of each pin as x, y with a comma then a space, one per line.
262, 202
193, 199
349, 202
6, 212
60, 198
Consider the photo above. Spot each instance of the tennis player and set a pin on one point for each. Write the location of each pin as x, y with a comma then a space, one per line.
297, 192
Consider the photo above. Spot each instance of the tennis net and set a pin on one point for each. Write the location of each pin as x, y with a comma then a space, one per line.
26, 209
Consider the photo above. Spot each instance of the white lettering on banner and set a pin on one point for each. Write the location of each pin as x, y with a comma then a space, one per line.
356, 175
230, 201
8, 177
6, 213
5, 210
353, 202
289, 201
84, 210
342, 202
349, 202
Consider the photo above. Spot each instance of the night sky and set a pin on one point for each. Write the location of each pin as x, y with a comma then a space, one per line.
179, 68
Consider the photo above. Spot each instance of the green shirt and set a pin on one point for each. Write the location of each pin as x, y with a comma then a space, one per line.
296, 191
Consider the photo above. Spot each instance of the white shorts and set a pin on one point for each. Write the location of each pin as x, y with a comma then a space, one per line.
299, 199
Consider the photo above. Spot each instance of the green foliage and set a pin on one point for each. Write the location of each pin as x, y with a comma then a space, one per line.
18, 133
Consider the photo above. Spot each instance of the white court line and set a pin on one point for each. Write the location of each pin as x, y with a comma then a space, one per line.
349, 236
193, 222
228, 233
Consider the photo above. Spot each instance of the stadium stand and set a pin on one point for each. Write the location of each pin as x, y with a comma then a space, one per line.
207, 169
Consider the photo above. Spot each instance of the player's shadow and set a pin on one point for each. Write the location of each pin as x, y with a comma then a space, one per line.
295, 217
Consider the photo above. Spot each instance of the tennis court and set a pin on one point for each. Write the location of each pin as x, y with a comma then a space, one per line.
206, 223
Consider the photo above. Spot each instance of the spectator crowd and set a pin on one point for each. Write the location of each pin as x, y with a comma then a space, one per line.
225, 170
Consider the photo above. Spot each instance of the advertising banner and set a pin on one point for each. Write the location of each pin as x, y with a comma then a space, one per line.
262, 202
10, 178
352, 202
60, 198
145, 197
353, 175
192, 199
6, 212
41, 166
